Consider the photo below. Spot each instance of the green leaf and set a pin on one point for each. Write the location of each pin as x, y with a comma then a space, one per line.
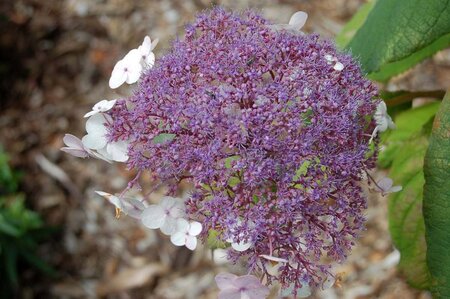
397, 30
163, 137
406, 223
436, 206
391, 69
213, 240
8, 228
349, 30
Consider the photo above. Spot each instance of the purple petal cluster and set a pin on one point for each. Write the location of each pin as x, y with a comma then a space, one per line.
274, 139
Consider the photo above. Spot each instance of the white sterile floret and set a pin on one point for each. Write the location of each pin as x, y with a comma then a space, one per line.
130, 206
186, 234
102, 106
96, 140
164, 215
302, 292
383, 120
385, 186
146, 51
126, 70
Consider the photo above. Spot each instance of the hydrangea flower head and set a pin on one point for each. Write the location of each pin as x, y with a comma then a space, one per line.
272, 128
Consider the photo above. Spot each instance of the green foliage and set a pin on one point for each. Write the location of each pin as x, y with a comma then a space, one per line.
350, 29
21, 230
436, 205
399, 34
404, 152
163, 138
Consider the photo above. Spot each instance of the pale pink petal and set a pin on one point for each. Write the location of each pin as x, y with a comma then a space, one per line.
258, 293
247, 281
170, 226
385, 184
191, 242
395, 189
72, 141
195, 228
225, 280
153, 217
80, 153
230, 294
178, 239
298, 19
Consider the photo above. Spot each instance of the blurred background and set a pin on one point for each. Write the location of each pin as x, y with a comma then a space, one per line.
60, 240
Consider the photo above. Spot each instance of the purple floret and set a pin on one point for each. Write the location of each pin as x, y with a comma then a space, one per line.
274, 139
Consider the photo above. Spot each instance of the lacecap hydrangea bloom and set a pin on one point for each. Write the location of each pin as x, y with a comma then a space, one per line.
273, 129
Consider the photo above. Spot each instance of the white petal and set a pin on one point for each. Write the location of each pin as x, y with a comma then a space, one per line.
90, 113
191, 242
101, 154
134, 73
167, 202
104, 105
382, 124
182, 225
118, 151
170, 226
146, 45
150, 59
195, 228
241, 246
178, 239
95, 125
132, 59
80, 153
72, 141
94, 142
118, 75
304, 291
381, 108
153, 216
133, 207
298, 19
111, 198
329, 58
328, 283
154, 43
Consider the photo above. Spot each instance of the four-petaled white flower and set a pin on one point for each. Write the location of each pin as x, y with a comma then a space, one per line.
164, 215
146, 51
102, 106
126, 70
130, 206
96, 140
385, 186
383, 120
186, 233
238, 287
74, 146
